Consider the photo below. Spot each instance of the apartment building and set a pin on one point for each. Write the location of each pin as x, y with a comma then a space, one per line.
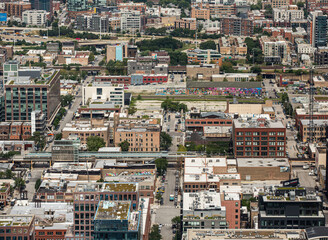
25, 96
200, 13
291, 209
203, 210
130, 6
237, 26
114, 80
142, 137
317, 29
16, 9
35, 17
186, 23
287, 13
93, 23
275, 50
321, 55
131, 21
259, 138
84, 129
319, 130
232, 46
17, 227
119, 52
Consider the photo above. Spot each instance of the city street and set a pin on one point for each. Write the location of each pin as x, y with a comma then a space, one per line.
30, 187
291, 143
167, 211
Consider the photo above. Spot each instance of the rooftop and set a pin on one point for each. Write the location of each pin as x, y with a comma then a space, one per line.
109, 210
202, 200
120, 187
16, 220
257, 123
263, 162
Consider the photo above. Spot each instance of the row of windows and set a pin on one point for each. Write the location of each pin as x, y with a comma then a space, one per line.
261, 133
262, 148
208, 122
258, 138
249, 154
263, 143
49, 233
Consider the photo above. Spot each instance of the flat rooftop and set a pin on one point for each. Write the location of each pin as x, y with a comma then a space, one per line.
258, 123
119, 187
15, 220
262, 162
202, 200
110, 210
216, 234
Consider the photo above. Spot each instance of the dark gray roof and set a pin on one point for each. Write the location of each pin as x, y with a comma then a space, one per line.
316, 232
216, 114
198, 84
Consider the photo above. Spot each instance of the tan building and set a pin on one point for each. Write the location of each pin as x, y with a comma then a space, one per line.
168, 21
319, 130
262, 169
85, 129
200, 13
142, 137
203, 72
186, 23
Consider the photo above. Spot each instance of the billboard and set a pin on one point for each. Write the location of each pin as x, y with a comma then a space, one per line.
3, 17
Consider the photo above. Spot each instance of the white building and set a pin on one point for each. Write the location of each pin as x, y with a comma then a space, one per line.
305, 48
35, 17
103, 94
287, 14
130, 21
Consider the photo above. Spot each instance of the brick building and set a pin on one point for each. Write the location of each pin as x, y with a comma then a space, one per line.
259, 138
126, 80
16, 9
17, 227
200, 13
141, 137
237, 26
198, 121
186, 23
154, 78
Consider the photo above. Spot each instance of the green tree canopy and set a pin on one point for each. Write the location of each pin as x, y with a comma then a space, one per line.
66, 100
161, 165
166, 141
39, 139
155, 233
37, 184
125, 146
94, 143
208, 45
256, 69
159, 44
169, 105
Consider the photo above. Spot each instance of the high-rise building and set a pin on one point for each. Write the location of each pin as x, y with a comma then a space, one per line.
76, 5
317, 29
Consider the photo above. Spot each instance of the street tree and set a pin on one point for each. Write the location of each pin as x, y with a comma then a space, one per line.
124, 146
166, 141
161, 165
94, 143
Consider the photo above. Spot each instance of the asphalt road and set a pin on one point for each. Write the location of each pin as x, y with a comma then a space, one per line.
167, 211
